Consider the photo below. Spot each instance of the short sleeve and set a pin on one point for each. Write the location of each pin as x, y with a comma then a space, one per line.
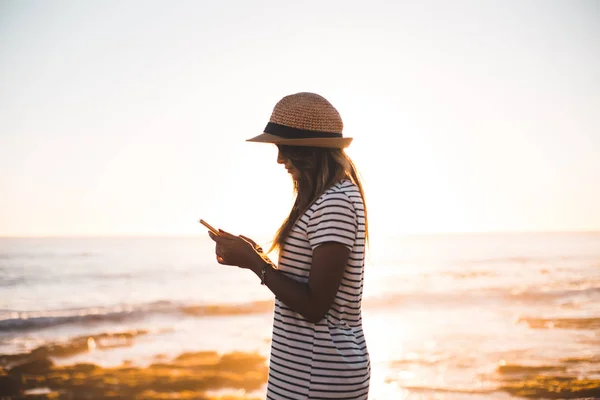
334, 220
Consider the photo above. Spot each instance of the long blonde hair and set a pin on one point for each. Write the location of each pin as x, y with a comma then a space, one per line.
320, 168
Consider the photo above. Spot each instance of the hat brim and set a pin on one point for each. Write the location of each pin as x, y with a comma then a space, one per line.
342, 142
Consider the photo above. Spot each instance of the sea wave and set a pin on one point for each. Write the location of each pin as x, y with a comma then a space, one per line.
449, 390
228, 309
586, 323
11, 321
15, 320
42, 255
49, 279
522, 260
12, 281
26, 320
537, 295
496, 295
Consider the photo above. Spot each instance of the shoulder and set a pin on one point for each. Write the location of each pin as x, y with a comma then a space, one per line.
342, 199
334, 216
344, 194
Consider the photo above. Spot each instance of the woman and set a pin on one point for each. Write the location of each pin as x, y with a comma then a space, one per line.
318, 348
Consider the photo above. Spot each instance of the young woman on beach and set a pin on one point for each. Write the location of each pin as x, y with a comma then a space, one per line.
318, 347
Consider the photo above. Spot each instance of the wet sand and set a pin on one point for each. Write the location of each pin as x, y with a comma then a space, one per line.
547, 381
195, 375
38, 374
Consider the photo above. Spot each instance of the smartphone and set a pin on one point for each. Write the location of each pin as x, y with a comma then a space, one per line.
210, 228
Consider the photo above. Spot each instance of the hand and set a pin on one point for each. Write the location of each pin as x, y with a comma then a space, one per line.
235, 250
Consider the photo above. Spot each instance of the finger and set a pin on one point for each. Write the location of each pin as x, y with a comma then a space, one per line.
226, 234
218, 239
222, 250
252, 243
223, 261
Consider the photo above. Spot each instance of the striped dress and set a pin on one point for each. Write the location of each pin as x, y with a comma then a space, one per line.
329, 359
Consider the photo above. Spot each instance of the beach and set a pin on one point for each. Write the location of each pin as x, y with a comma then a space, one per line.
486, 316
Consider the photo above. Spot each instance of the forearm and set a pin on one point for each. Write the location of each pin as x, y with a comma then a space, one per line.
296, 295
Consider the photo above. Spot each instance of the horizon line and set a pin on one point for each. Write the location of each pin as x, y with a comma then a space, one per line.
403, 234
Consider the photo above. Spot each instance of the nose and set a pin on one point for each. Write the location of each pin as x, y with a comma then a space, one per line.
280, 159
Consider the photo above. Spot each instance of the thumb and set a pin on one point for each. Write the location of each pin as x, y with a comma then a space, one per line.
252, 243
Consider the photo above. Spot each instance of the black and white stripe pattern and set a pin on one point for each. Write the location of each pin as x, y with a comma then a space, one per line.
327, 360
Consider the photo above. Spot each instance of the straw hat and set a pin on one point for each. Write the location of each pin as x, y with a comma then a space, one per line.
304, 119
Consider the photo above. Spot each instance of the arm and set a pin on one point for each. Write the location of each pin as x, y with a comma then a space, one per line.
331, 232
313, 299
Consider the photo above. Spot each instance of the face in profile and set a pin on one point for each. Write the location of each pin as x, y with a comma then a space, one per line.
284, 159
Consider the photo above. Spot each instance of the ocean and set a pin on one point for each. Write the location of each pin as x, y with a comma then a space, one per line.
481, 316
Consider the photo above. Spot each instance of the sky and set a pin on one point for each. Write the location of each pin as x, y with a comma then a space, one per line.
130, 118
